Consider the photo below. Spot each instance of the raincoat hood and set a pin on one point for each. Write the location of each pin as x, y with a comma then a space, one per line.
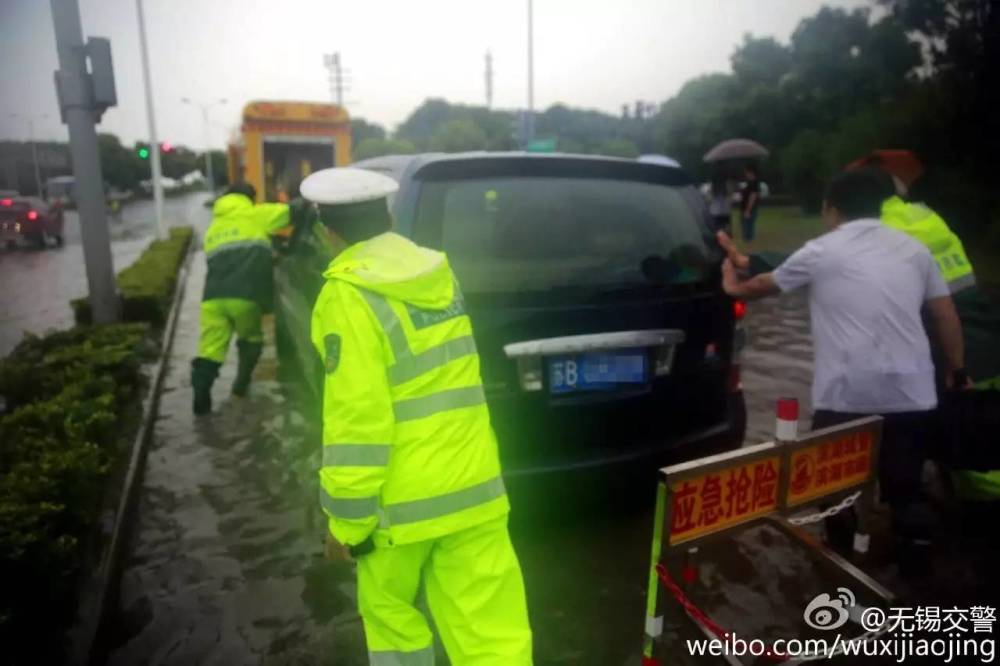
397, 268
228, 204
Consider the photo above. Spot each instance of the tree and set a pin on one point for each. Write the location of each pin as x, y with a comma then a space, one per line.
373, 147
121, 167
961, 50
804, 163
178, 161
220, 167
696, 118
425, 122
456, 136
760, 61
618, 148
361, 129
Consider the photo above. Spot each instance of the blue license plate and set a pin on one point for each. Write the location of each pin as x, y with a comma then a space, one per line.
597, 371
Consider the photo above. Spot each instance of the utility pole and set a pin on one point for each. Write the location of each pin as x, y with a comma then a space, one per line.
83, 96
530, 133
154, 145
489, 80
209, 173
332, 63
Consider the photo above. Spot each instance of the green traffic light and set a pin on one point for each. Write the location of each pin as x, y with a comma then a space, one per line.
143, 153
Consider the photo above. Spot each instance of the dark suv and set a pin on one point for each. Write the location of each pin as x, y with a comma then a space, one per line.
592, 285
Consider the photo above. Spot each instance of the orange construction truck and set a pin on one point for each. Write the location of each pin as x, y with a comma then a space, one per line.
280, 143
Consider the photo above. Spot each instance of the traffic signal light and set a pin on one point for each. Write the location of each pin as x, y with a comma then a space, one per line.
143, 153
166, 147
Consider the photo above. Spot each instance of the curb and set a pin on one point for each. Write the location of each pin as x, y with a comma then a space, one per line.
100, 590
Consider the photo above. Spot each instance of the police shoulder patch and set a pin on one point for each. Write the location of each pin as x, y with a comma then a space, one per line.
332, 344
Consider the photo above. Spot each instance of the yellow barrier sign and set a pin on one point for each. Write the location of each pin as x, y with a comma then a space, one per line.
830, 465
713, 494
721, 499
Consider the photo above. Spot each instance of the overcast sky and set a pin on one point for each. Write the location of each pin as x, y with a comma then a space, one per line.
588, 53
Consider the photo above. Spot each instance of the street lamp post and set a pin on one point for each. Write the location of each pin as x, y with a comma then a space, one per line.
154, 145
209, 172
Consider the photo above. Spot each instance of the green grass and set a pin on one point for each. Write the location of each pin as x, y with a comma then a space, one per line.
781, 229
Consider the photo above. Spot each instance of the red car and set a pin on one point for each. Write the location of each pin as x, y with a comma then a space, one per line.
32, 219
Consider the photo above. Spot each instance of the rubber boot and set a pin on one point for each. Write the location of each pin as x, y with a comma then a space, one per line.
203, 374
249, 354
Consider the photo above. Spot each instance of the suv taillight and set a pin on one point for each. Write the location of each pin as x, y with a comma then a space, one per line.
739, 310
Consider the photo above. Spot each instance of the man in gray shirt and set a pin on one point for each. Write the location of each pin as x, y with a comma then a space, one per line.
867, 286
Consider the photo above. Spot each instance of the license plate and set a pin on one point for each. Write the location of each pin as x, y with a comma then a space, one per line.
597, 371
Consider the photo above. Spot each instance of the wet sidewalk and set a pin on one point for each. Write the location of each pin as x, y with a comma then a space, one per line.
225, 564
226, 567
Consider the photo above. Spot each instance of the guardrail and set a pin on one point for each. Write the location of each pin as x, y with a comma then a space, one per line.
712, 497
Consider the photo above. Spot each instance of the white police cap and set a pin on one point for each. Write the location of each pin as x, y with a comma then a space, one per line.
346, 185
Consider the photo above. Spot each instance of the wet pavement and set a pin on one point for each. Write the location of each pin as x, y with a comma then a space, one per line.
225, 565
37, 285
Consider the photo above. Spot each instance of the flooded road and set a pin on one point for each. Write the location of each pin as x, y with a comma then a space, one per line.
226, 567
226, 564
39, 284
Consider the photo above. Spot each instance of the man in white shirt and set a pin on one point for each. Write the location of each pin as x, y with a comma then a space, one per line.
867, 286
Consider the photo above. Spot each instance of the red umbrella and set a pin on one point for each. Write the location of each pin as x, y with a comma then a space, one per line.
902, 164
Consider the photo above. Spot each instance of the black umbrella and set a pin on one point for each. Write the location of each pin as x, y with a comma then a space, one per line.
736, 149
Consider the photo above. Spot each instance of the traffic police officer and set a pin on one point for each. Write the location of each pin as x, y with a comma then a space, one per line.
410, 482
238, 288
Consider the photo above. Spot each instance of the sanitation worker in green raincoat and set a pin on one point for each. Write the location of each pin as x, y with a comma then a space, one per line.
411, 482
238, 288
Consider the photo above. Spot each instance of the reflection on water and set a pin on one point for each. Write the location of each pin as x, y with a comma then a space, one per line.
37, 285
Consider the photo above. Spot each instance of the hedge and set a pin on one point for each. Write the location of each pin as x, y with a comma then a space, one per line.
68, 397
71, 400
147, 286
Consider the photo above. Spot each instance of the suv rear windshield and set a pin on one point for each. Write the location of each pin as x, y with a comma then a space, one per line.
517, 234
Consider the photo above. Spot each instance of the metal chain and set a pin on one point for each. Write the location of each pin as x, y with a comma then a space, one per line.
845, 503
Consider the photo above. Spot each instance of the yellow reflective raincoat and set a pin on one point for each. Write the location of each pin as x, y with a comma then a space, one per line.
926, 226
410, 459
407, 441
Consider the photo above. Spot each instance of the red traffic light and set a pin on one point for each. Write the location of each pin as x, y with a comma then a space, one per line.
166, 147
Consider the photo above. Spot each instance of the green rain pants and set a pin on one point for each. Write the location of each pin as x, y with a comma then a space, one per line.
474, 590
220, 317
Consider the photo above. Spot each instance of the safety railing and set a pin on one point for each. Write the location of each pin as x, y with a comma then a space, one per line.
710, 498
